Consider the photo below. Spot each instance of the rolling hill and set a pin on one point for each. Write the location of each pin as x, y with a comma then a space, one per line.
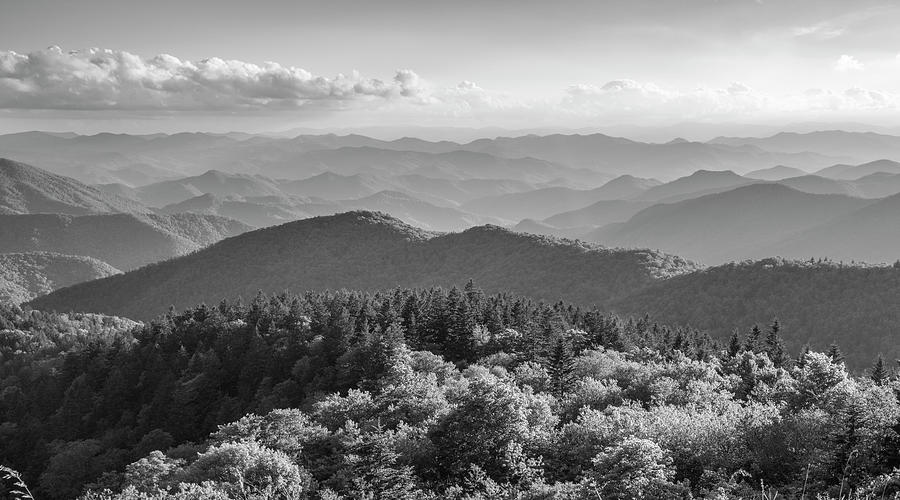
366, 250
25, 189
24, 276
125, 241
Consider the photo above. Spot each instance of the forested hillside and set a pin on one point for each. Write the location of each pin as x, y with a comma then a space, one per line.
126, 241
368, 251
25, 189
818, 303
24, 276
430, 394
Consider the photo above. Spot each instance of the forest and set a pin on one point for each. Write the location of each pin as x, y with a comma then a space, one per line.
432, 393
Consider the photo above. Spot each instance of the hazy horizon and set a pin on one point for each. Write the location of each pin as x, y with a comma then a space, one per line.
608, 66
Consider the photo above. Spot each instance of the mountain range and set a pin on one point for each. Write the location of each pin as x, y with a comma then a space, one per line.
368, 250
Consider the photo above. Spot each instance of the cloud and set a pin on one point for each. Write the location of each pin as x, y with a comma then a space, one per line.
101, 79
848, 63
821, 31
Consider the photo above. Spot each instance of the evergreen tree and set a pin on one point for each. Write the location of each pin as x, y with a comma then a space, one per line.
774, 345
752, 343
734, 345
834, 352
879, 373
560, 365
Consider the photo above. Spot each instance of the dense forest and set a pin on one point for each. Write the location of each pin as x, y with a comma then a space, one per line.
432, 393
822, 301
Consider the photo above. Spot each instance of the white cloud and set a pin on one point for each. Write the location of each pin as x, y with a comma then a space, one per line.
109, 79
848, 63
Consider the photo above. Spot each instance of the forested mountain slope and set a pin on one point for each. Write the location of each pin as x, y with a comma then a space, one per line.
24, 276
366, 250
25, 189
817, 302
125, 241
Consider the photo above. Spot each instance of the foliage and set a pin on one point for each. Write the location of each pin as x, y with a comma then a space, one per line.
430, 393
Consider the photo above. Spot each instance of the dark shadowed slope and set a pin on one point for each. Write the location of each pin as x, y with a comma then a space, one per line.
366, 250
126, 241
733, 225
24, 276
25, 189
816, 303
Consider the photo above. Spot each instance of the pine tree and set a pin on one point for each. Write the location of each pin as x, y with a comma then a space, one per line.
734, 344
834, 352
753, 340
560, 365
774, 345
879, 373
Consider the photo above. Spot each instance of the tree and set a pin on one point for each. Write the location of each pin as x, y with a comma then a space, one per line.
734, 344
560, 365
632, 468
879, 372
834, 352
752, 343
774, 345
490, 416
249, 468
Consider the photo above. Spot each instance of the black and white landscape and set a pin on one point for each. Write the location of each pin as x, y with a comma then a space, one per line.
521, 251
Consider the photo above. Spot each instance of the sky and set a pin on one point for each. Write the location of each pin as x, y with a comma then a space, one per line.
162, 65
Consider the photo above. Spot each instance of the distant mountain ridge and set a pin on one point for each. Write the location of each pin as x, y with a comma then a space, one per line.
367, 250
730, 225
125, 241
25, 189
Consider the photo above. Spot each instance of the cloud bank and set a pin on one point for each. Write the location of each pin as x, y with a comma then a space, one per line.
125, 84
106, 79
